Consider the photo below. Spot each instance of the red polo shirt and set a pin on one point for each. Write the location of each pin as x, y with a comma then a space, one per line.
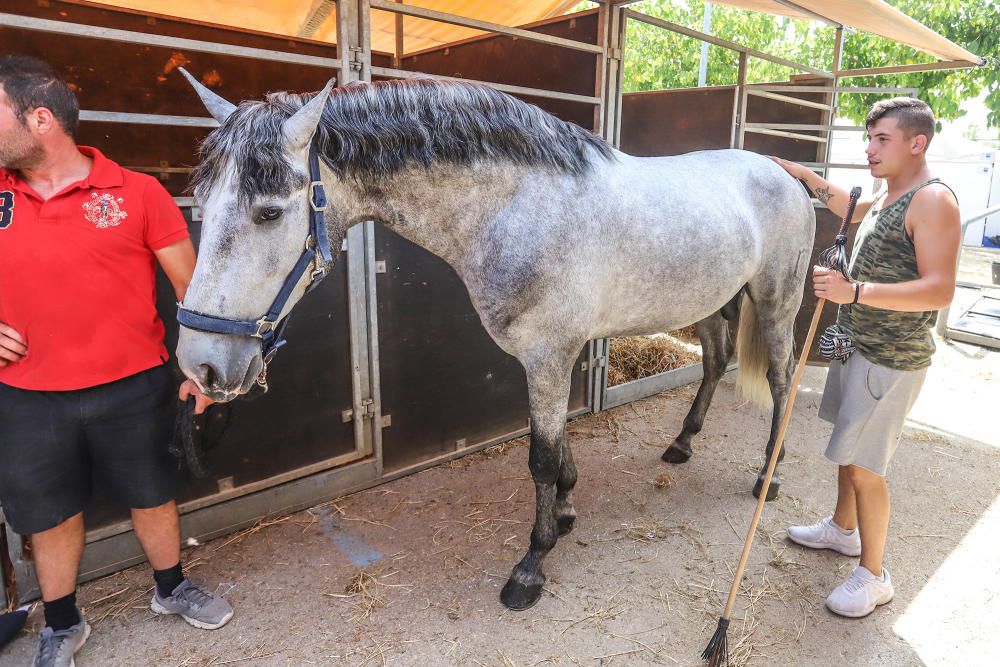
77, 276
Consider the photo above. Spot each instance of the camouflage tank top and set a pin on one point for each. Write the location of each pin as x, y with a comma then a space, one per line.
884, 253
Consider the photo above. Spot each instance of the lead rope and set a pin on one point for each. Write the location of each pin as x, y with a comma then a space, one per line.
193, 436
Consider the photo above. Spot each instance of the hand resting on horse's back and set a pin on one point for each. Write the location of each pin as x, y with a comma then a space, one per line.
793, 168
12, 347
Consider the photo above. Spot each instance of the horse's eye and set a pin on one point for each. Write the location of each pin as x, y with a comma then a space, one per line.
269, 214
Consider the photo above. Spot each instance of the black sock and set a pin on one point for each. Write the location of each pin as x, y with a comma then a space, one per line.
62, 614
167, 580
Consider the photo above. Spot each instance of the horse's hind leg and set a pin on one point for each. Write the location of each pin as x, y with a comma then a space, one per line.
716, 350
776, 319
553, 473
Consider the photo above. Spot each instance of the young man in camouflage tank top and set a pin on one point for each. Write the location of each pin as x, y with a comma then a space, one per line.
902, 271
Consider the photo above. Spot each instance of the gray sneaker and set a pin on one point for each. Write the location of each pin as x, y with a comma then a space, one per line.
195, 605
56, 647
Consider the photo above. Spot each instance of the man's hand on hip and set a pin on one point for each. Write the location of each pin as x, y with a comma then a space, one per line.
12, 347
189, 388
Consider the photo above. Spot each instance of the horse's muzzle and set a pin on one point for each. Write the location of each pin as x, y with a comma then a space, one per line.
223, 366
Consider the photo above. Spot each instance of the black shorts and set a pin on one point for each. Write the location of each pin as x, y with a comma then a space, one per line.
51, 441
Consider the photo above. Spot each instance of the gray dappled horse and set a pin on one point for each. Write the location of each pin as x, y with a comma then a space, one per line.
559, 239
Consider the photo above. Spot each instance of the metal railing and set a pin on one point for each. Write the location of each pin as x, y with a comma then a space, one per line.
725, 43
154, 39
485, 26
826, 130
943, 329
339, 63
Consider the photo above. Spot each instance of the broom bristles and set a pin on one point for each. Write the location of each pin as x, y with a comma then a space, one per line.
717, 651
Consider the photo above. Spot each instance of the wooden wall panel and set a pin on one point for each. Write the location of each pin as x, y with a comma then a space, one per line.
672, 122
518, 62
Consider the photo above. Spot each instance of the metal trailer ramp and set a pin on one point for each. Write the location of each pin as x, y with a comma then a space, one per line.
978, 324
981, 320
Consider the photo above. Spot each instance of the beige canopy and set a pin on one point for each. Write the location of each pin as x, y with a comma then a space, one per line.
315, 19
872, 16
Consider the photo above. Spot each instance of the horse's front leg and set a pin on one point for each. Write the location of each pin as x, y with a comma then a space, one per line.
553, 474
565, 513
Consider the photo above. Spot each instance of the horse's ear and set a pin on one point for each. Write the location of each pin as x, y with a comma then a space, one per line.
219, 107
298, 130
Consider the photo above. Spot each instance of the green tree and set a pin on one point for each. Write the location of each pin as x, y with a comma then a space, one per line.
657, 59
973, 24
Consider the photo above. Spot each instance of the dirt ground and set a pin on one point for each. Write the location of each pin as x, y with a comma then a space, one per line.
408, 573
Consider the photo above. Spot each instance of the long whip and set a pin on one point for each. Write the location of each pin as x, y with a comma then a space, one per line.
834, 257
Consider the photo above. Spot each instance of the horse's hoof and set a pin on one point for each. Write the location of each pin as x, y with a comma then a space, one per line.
772, 490
676, 454
518, 597
566, 523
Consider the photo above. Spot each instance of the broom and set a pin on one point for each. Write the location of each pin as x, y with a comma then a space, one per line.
834, 257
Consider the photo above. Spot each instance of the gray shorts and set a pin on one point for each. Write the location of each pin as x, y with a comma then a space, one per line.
867, 405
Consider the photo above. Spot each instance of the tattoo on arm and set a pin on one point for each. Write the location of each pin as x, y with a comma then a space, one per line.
824, 194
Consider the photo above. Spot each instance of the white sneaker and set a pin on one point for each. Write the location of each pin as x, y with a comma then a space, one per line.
861, 593
827, 535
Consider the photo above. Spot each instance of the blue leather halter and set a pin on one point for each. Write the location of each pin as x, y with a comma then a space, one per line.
269, 329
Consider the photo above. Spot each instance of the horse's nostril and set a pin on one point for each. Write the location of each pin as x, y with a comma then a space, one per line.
206, 375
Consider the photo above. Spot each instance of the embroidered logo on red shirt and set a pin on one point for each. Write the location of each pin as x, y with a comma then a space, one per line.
104, 210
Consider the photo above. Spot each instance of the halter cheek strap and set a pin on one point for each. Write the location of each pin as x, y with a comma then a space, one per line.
269, 329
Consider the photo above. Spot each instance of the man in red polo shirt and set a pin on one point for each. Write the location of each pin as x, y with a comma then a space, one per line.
83, 380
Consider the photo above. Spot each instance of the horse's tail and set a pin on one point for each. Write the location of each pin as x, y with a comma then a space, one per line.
751, 353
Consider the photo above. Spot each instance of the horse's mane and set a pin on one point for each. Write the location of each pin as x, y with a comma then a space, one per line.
371, 131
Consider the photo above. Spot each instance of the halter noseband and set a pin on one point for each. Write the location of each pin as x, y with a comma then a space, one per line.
269, 328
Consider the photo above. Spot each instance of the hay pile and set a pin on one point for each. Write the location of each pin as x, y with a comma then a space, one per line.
641, 356
686, 335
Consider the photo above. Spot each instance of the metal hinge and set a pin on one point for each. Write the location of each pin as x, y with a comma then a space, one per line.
367, 412
596, 362
355, 63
